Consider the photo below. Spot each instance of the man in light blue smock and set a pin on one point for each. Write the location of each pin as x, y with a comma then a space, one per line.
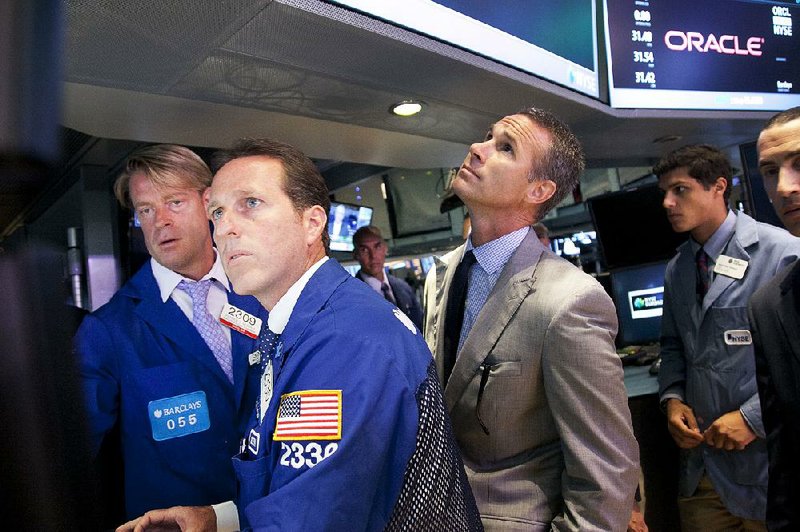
707, 379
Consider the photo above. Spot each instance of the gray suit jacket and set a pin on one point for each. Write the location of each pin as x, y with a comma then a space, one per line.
537, 398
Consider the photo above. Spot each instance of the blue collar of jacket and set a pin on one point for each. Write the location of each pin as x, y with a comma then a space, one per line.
313, 298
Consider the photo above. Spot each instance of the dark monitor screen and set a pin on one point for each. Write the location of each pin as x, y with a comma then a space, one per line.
344, 219
716, 54
632, 227
638, 294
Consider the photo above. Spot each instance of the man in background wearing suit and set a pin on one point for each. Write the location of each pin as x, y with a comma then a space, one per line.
159, 365
707, 377
524, 343
370, 252
775, 322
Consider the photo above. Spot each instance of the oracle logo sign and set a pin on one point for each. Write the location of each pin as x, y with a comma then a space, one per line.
726, 44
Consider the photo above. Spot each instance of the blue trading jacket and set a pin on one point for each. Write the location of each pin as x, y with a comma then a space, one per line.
406, 298
136, 350
389, 460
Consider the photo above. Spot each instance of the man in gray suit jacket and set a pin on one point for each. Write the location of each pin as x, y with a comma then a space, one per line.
532, 381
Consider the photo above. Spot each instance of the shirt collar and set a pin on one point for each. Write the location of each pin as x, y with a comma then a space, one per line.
168, 280
493, 255
372, 281
282, 311
716, 244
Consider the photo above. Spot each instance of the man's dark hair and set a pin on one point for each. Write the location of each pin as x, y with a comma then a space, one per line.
564, 161
783, 117
702, 162
302, 181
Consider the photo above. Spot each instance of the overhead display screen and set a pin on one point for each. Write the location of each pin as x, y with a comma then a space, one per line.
555, 40
714, 54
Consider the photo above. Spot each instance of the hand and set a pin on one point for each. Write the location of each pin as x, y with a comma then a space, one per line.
177, 518
682, 424
636, 522
730, 432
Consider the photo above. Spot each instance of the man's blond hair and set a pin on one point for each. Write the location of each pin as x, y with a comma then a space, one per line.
166, 166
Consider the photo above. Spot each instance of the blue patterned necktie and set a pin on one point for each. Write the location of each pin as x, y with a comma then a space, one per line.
209, 328
268, 342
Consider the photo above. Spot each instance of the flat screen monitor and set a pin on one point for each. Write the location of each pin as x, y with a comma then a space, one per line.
555, 40
716, 54
638, 294
344, 219
570, 245
632, 227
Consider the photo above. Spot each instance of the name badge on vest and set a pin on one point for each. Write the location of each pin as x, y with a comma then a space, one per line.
173, 417
240, 321
738, 337
730, 267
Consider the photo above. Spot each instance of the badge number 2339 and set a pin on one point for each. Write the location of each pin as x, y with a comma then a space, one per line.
297, 455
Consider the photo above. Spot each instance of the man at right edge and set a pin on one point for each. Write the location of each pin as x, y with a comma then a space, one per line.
775, 322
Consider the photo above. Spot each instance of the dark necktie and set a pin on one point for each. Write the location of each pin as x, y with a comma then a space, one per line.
701, 286
387, 293
267, 345
454, 314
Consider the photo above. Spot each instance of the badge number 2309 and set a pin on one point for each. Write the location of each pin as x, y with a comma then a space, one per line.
297, 455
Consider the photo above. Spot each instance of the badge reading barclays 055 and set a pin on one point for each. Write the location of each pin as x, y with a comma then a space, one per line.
173, 417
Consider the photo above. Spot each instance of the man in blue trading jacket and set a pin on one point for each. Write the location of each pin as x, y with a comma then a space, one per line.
370, 252
707, 379
349, 431
156, 363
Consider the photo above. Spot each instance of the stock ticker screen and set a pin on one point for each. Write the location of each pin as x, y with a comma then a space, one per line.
714, 54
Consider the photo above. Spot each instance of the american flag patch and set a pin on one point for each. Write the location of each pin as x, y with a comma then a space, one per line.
310, 415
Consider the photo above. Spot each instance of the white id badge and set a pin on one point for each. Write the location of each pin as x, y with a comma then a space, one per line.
730, 267
241, 321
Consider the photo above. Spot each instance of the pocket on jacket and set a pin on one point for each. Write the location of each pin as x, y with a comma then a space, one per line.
497, 399
732, 341
162, 382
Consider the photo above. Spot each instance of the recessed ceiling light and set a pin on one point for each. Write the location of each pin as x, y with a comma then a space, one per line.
407, 108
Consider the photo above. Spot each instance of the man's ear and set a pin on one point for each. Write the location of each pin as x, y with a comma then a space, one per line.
315, 222
540, 190
721, 184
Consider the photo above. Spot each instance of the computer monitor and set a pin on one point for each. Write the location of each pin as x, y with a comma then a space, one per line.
738, 55
632, 227
638, 293
554, 40
570, 245
344, 219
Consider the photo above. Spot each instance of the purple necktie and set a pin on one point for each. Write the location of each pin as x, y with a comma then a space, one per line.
209, 328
